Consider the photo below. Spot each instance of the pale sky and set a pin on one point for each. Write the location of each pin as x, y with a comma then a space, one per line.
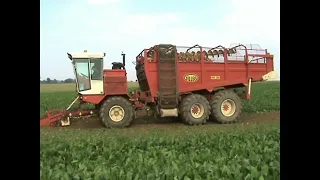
113, 26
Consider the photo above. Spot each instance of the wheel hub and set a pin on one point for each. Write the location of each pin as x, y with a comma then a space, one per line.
116, 113
228, 107
197, 110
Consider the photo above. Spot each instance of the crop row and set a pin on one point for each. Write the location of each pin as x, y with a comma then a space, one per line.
253, 154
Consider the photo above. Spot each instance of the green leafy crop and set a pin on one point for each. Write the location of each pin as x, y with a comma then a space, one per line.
242, 151
253, 154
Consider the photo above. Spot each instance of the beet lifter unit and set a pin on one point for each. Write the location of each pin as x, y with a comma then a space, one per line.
192, 83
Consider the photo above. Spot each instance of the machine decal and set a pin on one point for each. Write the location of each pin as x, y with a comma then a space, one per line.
191, 77
215, 77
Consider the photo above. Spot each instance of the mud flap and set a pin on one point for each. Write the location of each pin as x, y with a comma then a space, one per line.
248, 90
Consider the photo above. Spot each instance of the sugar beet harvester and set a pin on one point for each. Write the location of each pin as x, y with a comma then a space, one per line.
195, 84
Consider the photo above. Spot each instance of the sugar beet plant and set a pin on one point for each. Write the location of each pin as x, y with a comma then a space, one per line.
253, 154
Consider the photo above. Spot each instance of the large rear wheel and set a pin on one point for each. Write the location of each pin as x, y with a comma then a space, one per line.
116, 112
226, 107
195, 109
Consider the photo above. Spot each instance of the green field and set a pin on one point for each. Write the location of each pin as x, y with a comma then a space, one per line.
69, 87
265, 97
246, 150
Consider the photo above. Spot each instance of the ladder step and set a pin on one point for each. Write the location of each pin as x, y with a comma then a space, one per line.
167, 78
168, 96
166, 69
171, 87
167, 60
170, 106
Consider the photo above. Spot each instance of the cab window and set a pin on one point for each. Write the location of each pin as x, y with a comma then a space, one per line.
96, 69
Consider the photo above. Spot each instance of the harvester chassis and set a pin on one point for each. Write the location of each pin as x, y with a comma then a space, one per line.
63, 117
189, 86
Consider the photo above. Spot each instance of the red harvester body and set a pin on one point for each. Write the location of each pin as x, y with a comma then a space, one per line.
192, 83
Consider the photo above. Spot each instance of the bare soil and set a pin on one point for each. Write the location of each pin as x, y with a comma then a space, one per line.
94, 123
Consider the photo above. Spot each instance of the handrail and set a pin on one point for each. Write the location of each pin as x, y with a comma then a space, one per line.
217, 47
140, 53
193, 47
240, 45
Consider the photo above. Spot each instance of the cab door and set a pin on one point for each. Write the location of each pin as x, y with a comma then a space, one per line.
96, 77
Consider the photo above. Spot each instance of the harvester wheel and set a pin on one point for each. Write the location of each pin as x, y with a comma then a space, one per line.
226, 107
116, 112
97, 106
195, 109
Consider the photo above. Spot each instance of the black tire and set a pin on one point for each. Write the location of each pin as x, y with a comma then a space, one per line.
116, 101
97, 106
185, 109
180, 113
216, 103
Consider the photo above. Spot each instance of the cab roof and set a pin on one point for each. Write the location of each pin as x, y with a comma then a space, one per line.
84, 55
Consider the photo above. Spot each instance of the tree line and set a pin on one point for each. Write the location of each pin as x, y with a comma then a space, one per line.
55, 81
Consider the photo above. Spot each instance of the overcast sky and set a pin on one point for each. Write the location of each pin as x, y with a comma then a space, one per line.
113, 26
